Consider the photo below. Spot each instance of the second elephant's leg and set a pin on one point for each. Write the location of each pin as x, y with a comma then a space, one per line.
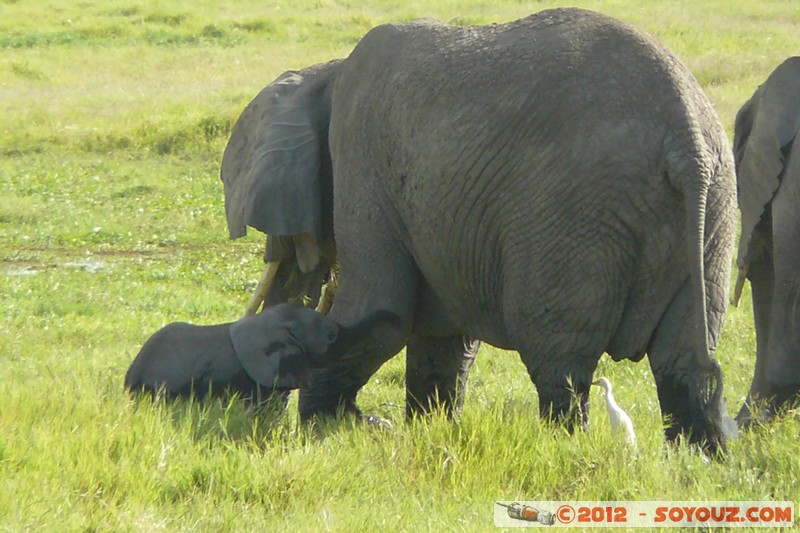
437, 369
781, 373
762, 281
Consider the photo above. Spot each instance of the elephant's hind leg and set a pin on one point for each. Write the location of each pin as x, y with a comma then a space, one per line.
686, 391
437, 369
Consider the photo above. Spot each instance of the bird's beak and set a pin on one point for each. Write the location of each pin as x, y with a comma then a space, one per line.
595, 383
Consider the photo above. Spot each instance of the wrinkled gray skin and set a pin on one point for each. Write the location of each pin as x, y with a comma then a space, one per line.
272, 350
558, 185
768, 170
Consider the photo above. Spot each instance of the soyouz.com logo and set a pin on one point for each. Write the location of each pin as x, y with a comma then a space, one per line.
643, 514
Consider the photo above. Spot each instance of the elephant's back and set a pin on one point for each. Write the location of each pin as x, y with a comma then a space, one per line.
180, 353
426, 101
555, 52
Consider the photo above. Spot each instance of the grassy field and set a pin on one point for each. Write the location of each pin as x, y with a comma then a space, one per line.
114, 115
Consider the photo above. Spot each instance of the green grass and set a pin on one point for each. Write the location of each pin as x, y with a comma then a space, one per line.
114, 118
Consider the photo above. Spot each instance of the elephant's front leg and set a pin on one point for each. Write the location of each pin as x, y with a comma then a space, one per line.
334, 389
437, 369
376, 274
781, 372
762, 283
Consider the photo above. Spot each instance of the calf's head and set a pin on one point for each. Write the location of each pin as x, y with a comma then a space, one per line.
282, 345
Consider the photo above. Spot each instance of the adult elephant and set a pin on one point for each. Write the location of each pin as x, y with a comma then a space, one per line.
768, 170
558, 185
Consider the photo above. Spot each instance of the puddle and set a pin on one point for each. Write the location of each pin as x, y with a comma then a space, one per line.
22, 271
92, 267
89, 266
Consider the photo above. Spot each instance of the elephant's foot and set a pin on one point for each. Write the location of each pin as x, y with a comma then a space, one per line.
757, 410
314, 405
691, 404
563, 388
436, 373
317, 405
752, 413
326, 398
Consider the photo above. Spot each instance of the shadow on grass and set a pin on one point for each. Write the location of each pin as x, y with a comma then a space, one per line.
269, 421
229, 418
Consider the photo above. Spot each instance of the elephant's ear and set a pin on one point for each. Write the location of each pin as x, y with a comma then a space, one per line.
765, 125
271, 167
281, 345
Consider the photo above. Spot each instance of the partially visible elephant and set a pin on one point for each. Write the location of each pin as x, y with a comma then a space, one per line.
768, 172
273, 350
558, 185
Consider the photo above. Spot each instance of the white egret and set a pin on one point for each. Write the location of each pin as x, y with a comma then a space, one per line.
620, 421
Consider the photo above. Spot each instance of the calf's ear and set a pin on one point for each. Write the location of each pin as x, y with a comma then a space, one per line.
280, 345
261, 342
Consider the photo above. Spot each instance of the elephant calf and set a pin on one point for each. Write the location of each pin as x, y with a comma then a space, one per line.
272, 350
768, 175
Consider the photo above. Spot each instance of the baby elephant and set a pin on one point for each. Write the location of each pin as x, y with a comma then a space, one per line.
273, 350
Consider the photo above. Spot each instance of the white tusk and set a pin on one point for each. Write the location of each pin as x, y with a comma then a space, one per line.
740, 279
270, 270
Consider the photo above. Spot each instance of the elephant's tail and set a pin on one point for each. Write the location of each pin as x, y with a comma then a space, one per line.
696, 204
692, 173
